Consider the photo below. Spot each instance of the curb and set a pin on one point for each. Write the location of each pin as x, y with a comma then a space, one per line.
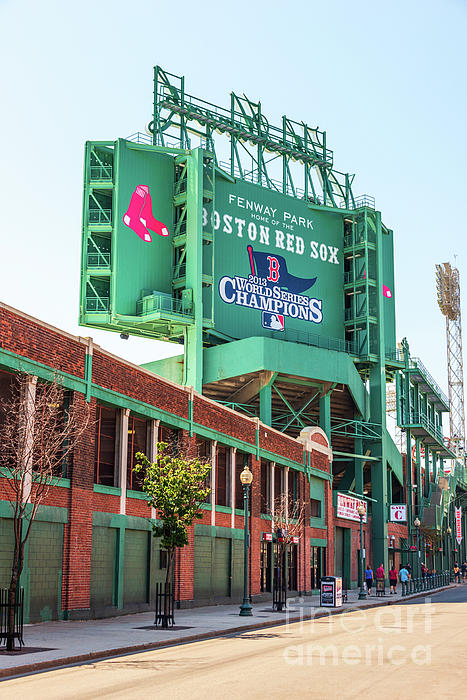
120, 651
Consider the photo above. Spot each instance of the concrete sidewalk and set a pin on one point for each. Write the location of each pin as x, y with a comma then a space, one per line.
69, 642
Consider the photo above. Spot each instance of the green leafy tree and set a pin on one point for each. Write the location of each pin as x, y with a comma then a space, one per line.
176, 486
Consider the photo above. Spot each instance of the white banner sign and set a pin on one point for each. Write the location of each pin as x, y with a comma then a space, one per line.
347, 507
459, 525
398, 513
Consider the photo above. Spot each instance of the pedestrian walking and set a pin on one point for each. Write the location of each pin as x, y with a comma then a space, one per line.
456, 572
464, 571
368, 578
393, 579
404, 576
380, 580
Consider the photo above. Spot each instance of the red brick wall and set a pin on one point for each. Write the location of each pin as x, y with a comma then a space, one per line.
78, 531
24, 336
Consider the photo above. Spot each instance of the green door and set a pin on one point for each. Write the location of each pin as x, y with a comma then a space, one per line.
202, 567
339, 552
236, 590
221, 568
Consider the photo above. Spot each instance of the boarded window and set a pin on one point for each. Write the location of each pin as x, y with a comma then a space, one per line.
105, 463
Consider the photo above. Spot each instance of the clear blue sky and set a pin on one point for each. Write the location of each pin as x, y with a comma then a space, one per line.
386, 81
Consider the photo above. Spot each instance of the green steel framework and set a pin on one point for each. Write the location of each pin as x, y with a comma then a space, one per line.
206, 141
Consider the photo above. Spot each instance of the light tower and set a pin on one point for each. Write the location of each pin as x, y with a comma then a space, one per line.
448, 292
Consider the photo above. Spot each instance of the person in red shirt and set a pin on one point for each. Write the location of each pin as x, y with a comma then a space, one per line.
380, 580
393, 579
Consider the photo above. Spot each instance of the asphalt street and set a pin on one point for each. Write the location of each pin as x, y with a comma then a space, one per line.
386, 652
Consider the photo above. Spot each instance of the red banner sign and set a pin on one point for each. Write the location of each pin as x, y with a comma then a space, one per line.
459, 525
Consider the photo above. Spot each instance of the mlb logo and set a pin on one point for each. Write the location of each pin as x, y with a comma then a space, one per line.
274, 322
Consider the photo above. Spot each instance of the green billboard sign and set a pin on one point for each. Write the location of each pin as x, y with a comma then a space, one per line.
143, 211
278, 264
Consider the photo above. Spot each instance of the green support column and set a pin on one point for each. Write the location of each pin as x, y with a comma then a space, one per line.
435, 466
358, 466
325, 414
389, 486
119, 563
265, 409
194, 269
378, 415
347, 482
427, 472
418, 477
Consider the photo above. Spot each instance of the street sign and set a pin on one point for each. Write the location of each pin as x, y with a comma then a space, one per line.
398, 513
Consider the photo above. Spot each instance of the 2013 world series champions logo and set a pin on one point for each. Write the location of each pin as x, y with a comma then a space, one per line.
273, 290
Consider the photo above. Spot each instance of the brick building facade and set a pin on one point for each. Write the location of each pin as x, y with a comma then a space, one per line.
91, 552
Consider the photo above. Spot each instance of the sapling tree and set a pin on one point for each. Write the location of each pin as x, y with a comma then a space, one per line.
39, 428
176, 485
288, 518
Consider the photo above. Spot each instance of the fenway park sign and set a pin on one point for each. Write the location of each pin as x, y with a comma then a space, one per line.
347, 507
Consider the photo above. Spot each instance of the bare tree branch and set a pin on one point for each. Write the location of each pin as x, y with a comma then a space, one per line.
40, 426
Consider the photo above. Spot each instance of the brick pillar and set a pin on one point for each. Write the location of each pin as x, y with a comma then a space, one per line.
255, 526
304, 547
184, 573
185, 568
78, 531
330, 525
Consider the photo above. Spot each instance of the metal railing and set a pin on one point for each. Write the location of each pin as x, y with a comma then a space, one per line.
350, 277
101, 260
426, 583
417, 418
163, 303
165, 604
319, 341
179, 271
100, 216
396, 355
97, 303
140, 137
101, 172
416, 363
17, 632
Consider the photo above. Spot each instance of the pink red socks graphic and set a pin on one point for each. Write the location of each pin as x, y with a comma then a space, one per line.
139, 216
147, 217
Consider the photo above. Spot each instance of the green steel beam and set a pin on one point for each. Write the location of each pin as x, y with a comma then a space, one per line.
325, 414
254, 354
194, 270
377, 376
